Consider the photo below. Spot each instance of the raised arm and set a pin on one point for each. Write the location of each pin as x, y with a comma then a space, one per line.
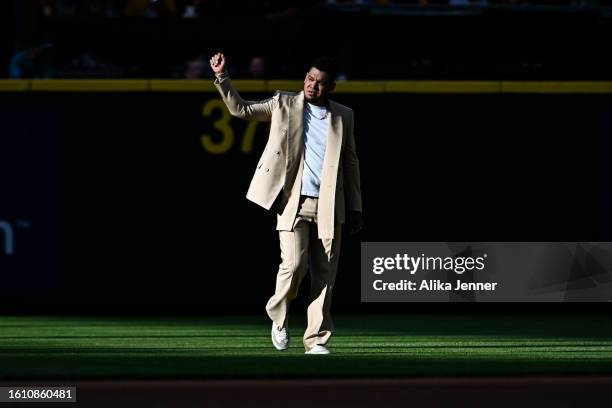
250, 110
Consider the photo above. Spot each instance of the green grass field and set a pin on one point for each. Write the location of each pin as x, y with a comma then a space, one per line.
363, 346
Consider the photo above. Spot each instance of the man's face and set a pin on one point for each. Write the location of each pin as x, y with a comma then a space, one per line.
317, 86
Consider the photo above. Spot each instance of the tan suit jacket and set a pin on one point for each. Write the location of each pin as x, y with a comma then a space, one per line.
281, 165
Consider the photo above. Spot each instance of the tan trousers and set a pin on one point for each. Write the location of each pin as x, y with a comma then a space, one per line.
300, 249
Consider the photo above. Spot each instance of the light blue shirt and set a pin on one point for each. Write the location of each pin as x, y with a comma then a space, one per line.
316, 124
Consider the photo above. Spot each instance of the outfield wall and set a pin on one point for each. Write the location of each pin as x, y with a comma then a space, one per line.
129, 195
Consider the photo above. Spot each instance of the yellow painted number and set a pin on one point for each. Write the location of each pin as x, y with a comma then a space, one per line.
249, 135
227, 133
221, 124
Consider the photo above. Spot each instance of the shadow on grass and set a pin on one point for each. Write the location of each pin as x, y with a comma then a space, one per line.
513, 326
288, 366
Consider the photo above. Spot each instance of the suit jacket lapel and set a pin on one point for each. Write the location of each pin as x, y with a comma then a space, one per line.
329, 175
295, 135
334, 138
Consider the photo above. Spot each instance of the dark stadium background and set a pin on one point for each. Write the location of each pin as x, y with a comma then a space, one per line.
117, 207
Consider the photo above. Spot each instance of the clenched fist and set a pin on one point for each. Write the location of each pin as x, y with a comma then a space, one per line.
217, 63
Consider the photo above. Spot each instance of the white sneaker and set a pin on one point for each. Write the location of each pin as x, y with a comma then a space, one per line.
318, 349
280, 337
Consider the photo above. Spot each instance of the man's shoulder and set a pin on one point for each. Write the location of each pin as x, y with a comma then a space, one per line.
342, 109
284, 94
284, 98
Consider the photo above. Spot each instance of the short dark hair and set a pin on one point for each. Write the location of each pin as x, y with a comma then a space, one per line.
327, 65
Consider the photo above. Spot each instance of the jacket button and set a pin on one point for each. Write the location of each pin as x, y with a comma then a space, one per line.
277, 152
267, 170
259, 167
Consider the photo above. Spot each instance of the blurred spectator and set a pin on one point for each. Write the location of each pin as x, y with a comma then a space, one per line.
90, 65
197, 68
192, 9
34, 62
46, 8
258, 69
357, 2
467, 2
151, 8
66, 8
80, 8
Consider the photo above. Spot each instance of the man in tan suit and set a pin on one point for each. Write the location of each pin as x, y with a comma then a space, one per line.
309, 168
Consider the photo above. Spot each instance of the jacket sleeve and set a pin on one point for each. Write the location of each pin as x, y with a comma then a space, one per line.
250, 110
350, 163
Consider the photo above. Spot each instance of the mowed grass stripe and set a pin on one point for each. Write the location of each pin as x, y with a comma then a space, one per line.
221, 347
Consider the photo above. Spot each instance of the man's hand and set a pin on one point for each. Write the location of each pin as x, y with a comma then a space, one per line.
355, 222
217, 63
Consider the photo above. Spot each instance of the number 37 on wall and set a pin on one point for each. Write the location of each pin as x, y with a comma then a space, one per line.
222, 144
